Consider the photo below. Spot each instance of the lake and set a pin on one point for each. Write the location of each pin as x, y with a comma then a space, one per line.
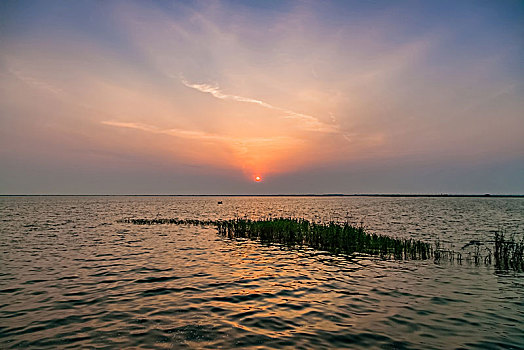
73, 277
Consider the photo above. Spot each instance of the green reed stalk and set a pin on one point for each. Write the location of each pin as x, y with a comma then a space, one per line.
333, 237
509, 254
345, 238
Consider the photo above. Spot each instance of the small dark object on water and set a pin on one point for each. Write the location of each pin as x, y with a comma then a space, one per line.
219, 202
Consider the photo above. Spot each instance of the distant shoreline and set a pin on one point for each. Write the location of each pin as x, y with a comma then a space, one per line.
277, 195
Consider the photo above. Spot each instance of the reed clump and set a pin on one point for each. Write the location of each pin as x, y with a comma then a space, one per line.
167, 221
509, 253
333, 237
345, 238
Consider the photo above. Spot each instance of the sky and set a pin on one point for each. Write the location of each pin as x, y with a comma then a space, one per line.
200, 97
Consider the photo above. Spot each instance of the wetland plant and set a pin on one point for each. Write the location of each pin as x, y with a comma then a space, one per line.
509, 253
333, 237
167, 221
345, 238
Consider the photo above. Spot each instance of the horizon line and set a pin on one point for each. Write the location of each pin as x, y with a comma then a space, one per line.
485, 195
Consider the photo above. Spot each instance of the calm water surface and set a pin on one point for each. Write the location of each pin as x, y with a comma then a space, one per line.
71, 276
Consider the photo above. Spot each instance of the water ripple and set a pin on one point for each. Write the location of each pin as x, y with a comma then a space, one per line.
72, 277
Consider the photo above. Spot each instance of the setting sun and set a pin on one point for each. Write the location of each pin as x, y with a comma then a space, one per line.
258, 178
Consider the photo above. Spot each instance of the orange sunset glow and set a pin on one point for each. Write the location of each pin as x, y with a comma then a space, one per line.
329, 97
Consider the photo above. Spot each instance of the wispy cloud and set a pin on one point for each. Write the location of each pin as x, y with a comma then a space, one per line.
191, 134
251, 154
36, 83
195, 134
309, 122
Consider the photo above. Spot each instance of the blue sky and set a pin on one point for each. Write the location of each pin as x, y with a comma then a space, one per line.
200, 97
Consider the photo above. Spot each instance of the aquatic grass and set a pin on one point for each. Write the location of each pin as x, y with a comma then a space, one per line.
346, 238
334, 237
167, 221
509, 253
